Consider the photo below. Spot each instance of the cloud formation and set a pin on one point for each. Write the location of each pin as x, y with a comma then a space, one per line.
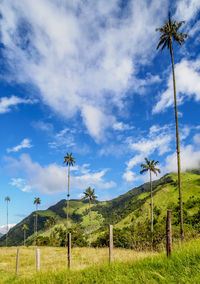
187, 83
52, 178
3, 228
190, 159
7, 103
20, 184
26, 143
82, 56
157, 140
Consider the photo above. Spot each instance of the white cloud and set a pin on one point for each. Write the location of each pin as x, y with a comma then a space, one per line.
158, 139
20, 184
63, 138
82, 56
130, 176
26, 143
44, 126
185, 131
6, 103
96, 121
3, 228
120, 126
190, 159
135, 160
52, 178
186, 10
187, 83
196, 139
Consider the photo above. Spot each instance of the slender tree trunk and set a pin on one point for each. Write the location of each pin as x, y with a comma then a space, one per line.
151, 203
34, 216
36, 219
7, 227
177, 145
68, 195
90, 221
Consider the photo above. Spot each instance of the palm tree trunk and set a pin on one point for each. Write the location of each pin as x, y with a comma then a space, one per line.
7, 227
68, 195
36, 219
151, 203
90, 222
177, 145
34, 216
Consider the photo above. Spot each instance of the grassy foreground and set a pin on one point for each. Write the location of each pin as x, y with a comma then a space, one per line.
91, 266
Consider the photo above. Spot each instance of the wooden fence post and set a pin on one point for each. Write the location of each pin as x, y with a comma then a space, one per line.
17, 262
69, 250
110, 243
37, 259
169, 233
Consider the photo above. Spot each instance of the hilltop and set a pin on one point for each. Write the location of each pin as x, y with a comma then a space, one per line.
127, 212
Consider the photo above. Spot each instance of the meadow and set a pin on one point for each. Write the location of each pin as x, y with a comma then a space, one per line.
90, 265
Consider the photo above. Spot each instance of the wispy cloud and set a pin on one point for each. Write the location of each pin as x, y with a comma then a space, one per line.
121, 126
187, 82
26, 143
157, 140
190, 159
47, 42
7, 103
63, 138
186, 10
52, 178
44, 126
20, 184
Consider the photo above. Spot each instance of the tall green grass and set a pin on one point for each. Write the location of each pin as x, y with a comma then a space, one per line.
182, 267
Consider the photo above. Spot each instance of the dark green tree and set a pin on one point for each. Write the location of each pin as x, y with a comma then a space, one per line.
169, 33
150, 166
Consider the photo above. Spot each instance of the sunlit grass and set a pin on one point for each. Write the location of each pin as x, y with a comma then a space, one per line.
54, 259
90, 265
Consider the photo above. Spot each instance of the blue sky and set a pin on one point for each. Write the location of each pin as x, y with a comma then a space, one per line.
85, 77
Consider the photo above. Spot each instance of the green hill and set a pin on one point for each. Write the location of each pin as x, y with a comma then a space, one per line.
128, 212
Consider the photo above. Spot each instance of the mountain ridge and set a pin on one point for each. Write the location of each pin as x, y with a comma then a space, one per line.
119, 211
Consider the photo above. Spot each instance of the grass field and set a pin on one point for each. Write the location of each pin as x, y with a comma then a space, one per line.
91, 266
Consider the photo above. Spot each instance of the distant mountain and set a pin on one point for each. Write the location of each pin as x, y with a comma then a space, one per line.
120, 211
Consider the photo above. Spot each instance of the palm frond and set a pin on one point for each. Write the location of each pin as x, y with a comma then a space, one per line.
143, 171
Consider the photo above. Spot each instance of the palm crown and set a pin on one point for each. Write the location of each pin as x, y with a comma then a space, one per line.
7, 198
69, 160
150, 166
37, 200
170, 31
50, 222
89, 193
25, 227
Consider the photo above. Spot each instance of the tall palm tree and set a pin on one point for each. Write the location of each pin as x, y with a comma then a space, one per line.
150, 166
50, 223
25, 228
37, 202
7, 199
89, 194
169, 34
69, 161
